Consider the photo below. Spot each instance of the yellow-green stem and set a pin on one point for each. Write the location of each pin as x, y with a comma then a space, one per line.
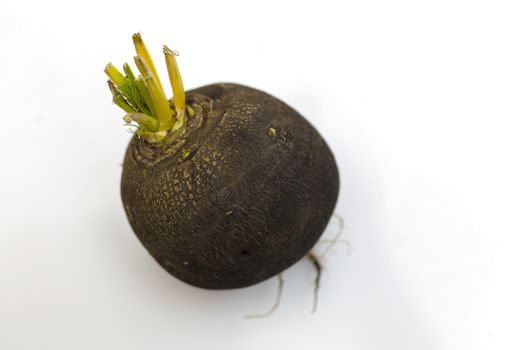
142, 51
114, 74
162, 107
178, 98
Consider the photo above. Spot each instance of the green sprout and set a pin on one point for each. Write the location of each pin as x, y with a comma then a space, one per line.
143, 98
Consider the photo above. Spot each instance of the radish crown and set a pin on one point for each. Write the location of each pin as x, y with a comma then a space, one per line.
143, 98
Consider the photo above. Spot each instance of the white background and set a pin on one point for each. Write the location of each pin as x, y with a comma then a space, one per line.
422, 103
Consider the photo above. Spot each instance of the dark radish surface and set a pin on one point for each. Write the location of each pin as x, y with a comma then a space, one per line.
242, 195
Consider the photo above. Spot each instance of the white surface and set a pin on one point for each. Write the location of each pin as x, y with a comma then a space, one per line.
422, 103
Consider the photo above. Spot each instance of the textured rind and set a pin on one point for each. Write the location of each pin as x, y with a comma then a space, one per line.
254, 195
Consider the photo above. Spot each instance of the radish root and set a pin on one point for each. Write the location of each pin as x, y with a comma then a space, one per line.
319, 269
280, 287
